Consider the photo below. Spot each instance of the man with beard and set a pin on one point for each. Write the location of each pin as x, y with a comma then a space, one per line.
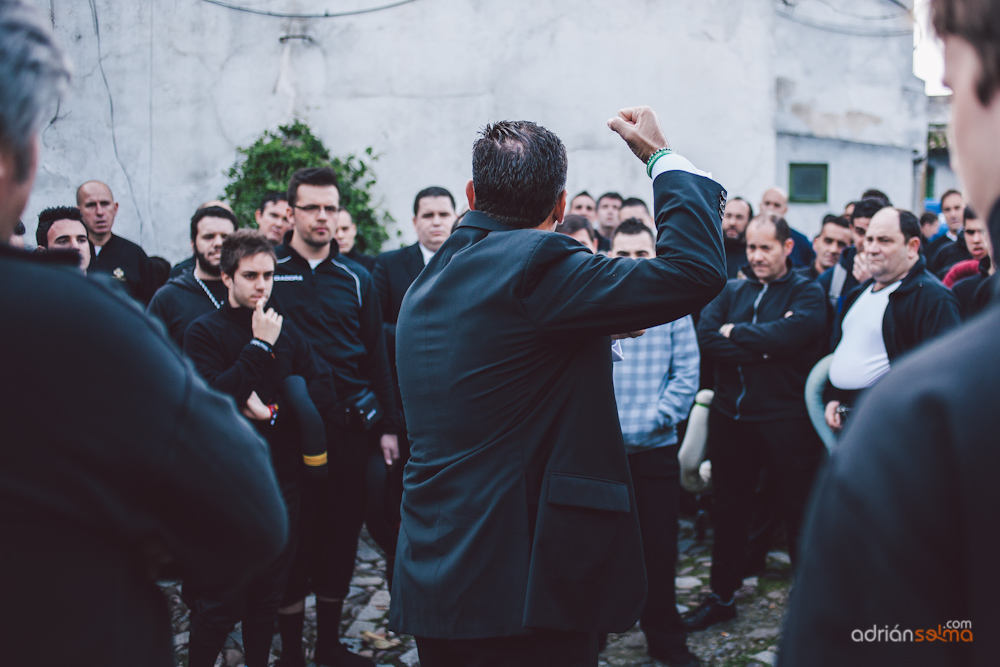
738, 214
192, 294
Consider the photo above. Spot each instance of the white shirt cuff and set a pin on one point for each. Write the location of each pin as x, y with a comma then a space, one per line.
677, 162
616, 351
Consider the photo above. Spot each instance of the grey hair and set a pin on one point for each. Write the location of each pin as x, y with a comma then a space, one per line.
34, 75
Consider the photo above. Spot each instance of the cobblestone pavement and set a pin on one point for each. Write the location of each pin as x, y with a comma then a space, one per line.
747, 641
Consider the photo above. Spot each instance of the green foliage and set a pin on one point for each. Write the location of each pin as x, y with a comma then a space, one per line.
268, 164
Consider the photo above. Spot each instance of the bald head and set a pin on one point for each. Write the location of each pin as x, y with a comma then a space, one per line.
775, 200
99, 208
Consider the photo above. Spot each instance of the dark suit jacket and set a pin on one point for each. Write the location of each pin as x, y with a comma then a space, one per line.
394, 272
518, 510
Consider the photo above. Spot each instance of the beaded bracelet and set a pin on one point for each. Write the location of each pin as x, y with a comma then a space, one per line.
654, 157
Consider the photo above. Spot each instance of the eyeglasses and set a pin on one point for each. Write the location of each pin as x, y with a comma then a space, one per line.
313, 209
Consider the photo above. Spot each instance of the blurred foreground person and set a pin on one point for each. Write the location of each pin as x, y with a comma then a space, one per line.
899, 559
520, 537
116, 460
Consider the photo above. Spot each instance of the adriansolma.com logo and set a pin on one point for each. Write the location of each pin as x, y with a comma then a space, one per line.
952, 631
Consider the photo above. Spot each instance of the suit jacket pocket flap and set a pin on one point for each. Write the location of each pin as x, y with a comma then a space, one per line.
598, 494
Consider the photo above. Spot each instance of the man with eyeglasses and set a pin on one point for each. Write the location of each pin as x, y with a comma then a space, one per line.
334, 303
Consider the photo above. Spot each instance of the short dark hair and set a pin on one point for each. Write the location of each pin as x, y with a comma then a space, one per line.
518, 172
872, 193
241, 244
749, 205
866, 208
948, 193
632, 227
584, 193
635, 201
433, 191
272, 197
969, 213
211, 212
782, 232
19, 229
609, 195
321, 176
908, 224
831, 219
571, 224
929, 218
49, 216
978, 23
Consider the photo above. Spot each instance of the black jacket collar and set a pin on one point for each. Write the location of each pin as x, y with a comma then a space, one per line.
483, 221
286, 250
750, 276
911, 281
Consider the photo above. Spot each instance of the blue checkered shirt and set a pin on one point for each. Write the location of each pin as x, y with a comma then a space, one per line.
656, 383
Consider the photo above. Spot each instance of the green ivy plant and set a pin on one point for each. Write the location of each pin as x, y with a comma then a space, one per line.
268, 164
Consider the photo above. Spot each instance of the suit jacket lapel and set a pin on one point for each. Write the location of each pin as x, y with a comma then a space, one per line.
414, 261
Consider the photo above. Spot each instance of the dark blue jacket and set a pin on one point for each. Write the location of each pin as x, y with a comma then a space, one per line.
761, 368
518, 510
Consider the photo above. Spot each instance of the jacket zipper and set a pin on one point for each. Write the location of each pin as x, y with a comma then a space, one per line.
739, 369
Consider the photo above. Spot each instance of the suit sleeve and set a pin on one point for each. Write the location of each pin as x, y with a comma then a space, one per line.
566, 290
715, 346
237, 380
787, 335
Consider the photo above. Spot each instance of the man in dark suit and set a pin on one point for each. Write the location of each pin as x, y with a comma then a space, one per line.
519, 536
394, 272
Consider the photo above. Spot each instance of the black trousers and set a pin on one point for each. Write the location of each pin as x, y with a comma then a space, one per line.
330, 520
656, 480
790, 452
215, 612
544, 648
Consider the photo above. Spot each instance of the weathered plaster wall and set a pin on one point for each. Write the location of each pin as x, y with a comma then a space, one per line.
844, 76
191, 81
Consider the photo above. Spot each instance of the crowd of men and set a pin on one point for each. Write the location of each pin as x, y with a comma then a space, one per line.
509, 491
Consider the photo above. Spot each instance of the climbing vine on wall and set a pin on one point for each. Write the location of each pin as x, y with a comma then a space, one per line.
268, 164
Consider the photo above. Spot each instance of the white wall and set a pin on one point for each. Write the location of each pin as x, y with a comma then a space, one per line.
853, 168
846, 95
191, 81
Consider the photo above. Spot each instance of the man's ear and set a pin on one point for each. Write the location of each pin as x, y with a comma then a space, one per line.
470, 194
789, 246
559, 212
913, 246
227, 280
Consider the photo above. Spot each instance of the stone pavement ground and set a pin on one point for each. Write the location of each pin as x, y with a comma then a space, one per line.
749, 640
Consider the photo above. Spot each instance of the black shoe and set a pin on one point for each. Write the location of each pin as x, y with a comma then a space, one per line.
678, 656
709, 612
341, 657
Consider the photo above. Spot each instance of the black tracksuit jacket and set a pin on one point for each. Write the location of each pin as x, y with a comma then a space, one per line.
761, 369
336, 308
219, 344
921, 308
182, 300
126, 262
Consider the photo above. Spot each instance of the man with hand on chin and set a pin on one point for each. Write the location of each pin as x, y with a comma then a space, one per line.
248, 352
